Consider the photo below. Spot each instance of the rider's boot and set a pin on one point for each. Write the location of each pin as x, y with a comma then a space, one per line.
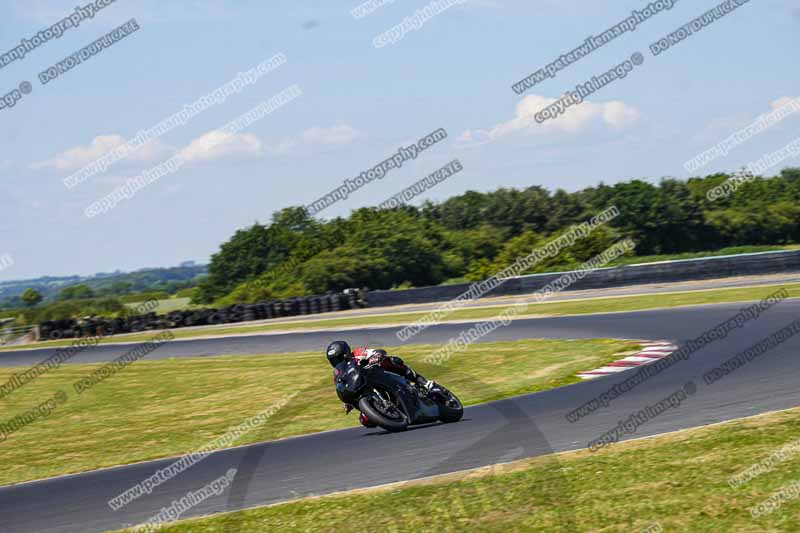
365, 421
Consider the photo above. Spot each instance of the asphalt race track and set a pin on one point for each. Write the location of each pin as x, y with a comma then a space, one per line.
497, 432
668, 324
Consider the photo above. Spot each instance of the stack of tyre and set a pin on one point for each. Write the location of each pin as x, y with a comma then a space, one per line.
308, 305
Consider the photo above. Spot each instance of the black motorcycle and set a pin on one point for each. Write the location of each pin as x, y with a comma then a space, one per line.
391, 401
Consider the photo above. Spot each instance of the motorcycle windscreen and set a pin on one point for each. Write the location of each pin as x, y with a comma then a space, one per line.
349, 381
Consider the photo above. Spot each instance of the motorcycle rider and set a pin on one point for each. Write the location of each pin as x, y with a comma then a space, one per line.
339, 351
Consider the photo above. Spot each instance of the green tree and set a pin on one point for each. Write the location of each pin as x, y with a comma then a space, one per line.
76, 292
339, 269
119, 288
462, 248
255, 250
383, 249
459, 212
31, 297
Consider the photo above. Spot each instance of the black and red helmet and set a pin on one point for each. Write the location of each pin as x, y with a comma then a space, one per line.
336, 352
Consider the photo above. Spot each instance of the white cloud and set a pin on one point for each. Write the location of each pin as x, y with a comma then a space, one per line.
217, 145
209, 146
80, 156
618, 114
724, 126
282, 147
474, 138
783, 101
614, 114
339, 134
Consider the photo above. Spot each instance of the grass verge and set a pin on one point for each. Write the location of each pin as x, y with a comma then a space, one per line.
678, 481
163, 408
573, 307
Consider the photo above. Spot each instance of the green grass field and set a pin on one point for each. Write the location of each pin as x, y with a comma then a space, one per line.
574, 307
677, 481
164, 408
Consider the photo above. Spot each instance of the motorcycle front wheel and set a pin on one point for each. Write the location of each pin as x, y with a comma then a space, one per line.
383, 412
450, 408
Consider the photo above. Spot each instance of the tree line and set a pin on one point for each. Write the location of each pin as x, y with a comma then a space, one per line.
472, 235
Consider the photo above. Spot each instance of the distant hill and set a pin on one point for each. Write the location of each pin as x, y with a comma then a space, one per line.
117, 283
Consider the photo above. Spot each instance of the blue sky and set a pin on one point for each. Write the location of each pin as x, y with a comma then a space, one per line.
359, 104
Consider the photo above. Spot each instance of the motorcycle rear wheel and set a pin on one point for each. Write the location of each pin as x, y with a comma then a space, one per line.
378, 415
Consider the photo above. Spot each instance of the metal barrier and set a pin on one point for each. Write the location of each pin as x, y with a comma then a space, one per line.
662, 272
10, 335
